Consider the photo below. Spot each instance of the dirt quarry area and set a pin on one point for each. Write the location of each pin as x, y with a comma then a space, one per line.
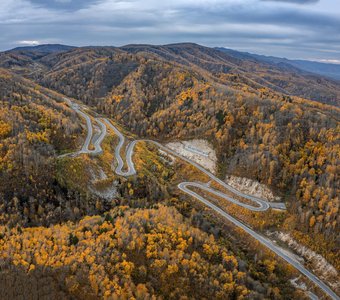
199, 151
320, 265
251, 187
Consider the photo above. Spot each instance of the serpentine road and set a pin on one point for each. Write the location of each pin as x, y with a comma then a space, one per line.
260, 204
98, 141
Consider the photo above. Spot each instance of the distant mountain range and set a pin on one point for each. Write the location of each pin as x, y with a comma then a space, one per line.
52, 64
47, 48
324, 69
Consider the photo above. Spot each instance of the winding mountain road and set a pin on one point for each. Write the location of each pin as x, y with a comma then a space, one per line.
260, 204
97, 143
269, 244
129, 152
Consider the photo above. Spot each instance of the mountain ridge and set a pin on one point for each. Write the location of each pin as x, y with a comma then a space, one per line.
219, 66
329, 70
47, 48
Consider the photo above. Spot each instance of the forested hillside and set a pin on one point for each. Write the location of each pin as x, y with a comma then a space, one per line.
132, 253
181, 91
289, 144
152, 251
146, 239
108, 65
34, 128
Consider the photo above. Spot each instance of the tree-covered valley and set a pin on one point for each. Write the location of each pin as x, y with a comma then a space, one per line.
70, 219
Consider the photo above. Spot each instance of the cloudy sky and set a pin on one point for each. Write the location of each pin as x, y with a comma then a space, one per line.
308, 29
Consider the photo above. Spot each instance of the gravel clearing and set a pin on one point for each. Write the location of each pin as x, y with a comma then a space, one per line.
251, 187
327, 271
198, 150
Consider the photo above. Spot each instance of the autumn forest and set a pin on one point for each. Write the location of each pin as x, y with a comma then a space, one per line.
72, 228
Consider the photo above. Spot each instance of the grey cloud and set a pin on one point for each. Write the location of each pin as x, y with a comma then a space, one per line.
70, 5
293, 1
251, 25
